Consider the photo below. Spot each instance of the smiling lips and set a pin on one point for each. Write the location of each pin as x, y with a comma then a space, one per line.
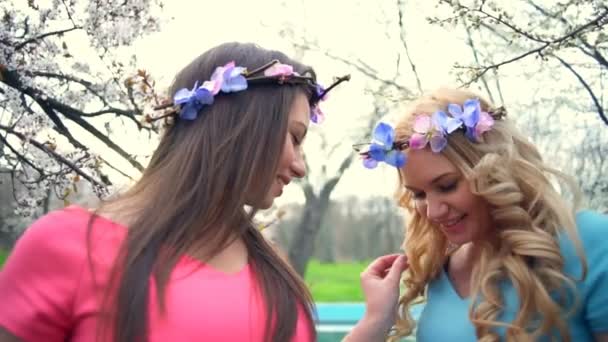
284, 179
453, 225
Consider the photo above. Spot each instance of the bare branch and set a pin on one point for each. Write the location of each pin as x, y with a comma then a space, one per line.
482, 70
130, 114
67, 10
546, 13
76, 116
476, 57
87, 84
110, 165
44, 35
595, 54
400, 6
596, 102
53, 154
21, 157
588, 49
50, 106
363, 69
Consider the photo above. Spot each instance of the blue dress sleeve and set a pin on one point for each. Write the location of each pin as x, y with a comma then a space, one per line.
593, 231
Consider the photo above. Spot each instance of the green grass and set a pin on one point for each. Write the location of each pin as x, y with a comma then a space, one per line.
3, 255
327, 282
335, 282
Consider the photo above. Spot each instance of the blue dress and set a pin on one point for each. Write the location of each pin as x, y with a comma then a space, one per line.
445, 316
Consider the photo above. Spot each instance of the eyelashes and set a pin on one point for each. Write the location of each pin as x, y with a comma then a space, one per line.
295, 140
449, 187
443, 189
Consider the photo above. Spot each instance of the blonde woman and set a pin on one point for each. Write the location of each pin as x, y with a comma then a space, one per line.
492, 245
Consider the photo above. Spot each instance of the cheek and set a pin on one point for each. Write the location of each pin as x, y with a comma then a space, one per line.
479, 205
464, 199
478, 208
483, 212
287, 155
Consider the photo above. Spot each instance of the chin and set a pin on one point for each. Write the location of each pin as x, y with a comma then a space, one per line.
265, 206
459, 239
266, 203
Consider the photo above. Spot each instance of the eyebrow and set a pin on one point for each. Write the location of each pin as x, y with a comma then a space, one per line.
436, 179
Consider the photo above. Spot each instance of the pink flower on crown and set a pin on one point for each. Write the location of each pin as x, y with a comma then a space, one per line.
228, 78
279, 69
485, 123
429, 129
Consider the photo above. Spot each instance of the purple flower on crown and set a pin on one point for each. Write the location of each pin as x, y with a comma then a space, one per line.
284, 70
485, 123
382, 148
316, 114
470, 115
231, 78
321, 94
193, 100
428, 130
227, 78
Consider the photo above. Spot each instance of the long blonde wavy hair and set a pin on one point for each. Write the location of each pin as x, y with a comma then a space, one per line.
527, 211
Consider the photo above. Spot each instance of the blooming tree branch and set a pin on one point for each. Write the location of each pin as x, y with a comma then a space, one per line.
56, 100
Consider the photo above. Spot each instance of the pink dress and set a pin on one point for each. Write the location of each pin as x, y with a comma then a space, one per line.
47, 292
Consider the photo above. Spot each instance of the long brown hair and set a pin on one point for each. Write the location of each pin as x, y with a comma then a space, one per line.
193, 193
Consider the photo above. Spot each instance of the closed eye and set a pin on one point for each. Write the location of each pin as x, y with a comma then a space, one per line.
295, 140
418, 195
448, 187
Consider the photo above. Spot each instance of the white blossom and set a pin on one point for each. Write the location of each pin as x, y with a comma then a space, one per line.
57, 64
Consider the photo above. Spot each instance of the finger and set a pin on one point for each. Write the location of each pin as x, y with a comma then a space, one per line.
378, 266
397, 268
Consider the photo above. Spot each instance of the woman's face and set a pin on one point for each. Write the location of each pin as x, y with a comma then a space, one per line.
291, 163
443, 196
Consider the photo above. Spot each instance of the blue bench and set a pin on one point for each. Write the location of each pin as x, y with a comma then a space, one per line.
334, 320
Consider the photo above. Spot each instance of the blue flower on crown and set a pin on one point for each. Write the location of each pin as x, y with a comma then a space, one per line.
227, 78
193, 100
231, 78
428, 130
382, 148
471, 117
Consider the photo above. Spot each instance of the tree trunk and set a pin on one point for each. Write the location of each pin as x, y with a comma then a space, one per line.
303, 243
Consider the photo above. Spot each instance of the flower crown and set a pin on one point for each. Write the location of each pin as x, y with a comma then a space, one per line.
429, 130
230, 78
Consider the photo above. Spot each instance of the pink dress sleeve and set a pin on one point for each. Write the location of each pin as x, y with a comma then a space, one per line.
39, 281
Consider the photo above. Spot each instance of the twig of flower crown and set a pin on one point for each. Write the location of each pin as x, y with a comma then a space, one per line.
230, 78
432, 130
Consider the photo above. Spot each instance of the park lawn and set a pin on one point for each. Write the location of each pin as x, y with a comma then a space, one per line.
328, 282
337, 282
3, 255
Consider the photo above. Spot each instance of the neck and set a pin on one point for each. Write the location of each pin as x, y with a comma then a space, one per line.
468, 255
463, 258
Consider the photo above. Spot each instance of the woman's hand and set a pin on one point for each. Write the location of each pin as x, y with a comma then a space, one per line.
380, 283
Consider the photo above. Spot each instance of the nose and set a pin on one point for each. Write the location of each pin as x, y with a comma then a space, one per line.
436, 209
298, 166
